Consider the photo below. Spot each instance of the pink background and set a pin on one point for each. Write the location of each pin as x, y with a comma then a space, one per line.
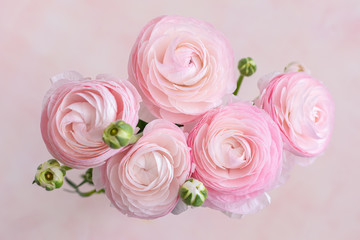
41, 38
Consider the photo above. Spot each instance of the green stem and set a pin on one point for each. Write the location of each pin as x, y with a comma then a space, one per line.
238, 84
85, 181
88, 194
83, 194
134, 138
70, 183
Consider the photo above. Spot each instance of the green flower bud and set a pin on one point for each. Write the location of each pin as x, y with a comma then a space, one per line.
88, 176
193, 192
118, 134
50, 175
247, 66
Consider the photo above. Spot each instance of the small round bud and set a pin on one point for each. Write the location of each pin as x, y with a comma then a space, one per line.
50, 175
118, 134
88, 176
296, 67
193, 192
247, 66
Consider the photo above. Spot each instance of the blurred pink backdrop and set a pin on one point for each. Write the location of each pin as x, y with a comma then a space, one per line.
39, 39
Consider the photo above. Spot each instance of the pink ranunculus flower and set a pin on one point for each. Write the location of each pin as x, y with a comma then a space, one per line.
182, 67
303, 109
237, 151
144, 180
77, 110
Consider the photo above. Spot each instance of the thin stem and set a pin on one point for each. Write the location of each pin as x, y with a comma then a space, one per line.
83, 194
88, 194
70, 183
238, 84
85, 181
134, 138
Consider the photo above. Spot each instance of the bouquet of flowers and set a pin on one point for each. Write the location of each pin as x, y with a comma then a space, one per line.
195, 143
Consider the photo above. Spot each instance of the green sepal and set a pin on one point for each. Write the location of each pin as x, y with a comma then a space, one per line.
49, 187
58, 184
53, 162
63, 171
122, 141
187, 200
183, 192
39, 167
66, 168
198, 201
204, 193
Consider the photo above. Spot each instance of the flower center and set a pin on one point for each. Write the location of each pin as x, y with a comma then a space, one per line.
315, 114
187, 56
147, 168
49, 176
113, 131
234, 154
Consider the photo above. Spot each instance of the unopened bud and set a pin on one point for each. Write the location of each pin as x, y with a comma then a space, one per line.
118, 134
193, 192
50, 175
247, 66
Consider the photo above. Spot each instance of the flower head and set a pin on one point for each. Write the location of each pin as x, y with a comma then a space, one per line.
143, 181
302, 108
237, 151
78, 110
183, 67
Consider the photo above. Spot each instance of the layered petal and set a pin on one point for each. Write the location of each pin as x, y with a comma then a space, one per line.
76, 111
